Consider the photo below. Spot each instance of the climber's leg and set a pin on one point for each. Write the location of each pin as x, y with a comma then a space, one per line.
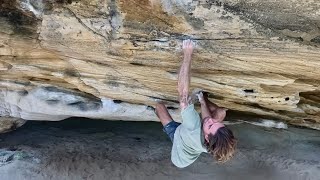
163, 114
169, 125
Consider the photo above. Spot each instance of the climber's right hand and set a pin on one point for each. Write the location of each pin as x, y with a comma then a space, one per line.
187, 46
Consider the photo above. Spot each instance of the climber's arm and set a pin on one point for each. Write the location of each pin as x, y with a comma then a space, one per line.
184, 74
205, 110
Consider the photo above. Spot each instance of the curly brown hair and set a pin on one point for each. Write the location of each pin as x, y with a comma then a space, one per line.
222, 144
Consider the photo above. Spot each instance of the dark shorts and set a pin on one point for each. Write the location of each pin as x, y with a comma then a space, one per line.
170, 128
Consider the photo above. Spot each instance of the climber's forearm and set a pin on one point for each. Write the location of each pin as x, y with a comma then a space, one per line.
205, 112
184, 74
184, 80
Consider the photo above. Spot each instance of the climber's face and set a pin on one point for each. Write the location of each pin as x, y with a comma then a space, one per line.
210, 126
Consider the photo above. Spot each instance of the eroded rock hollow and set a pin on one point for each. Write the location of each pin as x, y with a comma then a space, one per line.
113, 59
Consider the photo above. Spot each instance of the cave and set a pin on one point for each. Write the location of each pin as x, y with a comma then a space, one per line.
70, 64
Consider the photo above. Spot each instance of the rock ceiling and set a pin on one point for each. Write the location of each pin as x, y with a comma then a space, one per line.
113, 59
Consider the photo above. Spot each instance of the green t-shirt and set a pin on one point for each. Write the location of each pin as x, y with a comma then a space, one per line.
188, 142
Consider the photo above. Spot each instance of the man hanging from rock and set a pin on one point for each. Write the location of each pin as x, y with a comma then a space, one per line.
196, 135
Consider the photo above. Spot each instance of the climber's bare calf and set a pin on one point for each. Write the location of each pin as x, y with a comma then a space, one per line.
169, 125
163, 114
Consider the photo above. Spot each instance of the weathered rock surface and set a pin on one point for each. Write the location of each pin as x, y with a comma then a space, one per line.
112, 59
8, 124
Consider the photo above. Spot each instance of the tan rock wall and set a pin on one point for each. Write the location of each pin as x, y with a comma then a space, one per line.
257, 57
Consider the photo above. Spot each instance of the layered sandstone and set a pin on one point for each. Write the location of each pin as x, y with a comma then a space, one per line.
113, 59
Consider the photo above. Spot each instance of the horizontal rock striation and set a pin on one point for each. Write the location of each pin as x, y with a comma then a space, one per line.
113, 59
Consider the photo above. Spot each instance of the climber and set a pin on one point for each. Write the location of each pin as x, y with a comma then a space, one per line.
196, 135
